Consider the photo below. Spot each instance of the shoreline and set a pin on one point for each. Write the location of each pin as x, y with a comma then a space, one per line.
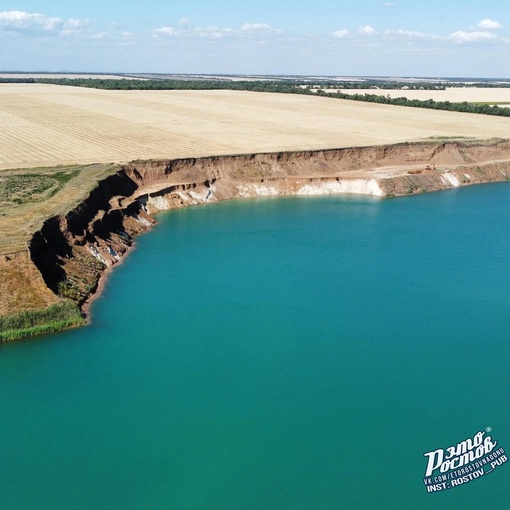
77, 252
103, 279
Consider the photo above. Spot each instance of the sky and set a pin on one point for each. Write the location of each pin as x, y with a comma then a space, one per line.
434, 38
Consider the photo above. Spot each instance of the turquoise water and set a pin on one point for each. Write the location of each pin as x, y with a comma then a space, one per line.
298, 353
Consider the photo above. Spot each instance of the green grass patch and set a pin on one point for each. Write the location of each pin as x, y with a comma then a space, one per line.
32, 323
31, 187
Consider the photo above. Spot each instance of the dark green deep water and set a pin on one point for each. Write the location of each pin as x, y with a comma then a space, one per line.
299, 353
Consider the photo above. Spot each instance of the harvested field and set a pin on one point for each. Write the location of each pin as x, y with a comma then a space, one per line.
49, 125
453, 94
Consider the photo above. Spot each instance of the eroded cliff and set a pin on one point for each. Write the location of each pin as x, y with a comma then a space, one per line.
71, 252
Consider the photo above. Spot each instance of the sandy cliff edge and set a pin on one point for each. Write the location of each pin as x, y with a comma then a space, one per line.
70, 254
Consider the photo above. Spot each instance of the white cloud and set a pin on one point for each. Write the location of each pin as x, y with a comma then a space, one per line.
246, 30
77, 23
260, 28
19, 21
341, 34
476, 36
488, 24
101, 35
184, 22
26, 22
367, 30
165, 31
468, 36
212, 32
204, 32
411, 34
389, 5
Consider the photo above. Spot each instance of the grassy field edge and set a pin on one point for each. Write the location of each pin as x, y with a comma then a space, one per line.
31, 323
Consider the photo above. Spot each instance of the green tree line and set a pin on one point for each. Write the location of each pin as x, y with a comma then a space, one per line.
464, 107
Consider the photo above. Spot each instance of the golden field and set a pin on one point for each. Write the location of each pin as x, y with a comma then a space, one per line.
452, 94
49, 125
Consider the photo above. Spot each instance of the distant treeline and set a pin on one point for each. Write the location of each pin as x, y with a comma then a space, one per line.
293, 86
127, 84
464, 107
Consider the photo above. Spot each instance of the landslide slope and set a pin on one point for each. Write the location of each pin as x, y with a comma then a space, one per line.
61, 256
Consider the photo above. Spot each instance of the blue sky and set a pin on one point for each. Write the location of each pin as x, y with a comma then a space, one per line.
322, 37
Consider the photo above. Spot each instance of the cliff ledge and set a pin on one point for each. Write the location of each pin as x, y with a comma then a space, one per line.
66, 258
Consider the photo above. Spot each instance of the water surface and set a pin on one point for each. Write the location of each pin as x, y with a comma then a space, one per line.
298, 353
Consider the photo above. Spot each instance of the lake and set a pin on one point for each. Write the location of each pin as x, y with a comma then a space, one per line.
281, 353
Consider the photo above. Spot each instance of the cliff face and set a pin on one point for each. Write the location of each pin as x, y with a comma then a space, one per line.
72, 252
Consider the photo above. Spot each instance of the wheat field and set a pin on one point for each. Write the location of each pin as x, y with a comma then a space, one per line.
453, 94
47, 125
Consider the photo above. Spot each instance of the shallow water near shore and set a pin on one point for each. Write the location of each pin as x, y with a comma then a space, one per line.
295, 353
